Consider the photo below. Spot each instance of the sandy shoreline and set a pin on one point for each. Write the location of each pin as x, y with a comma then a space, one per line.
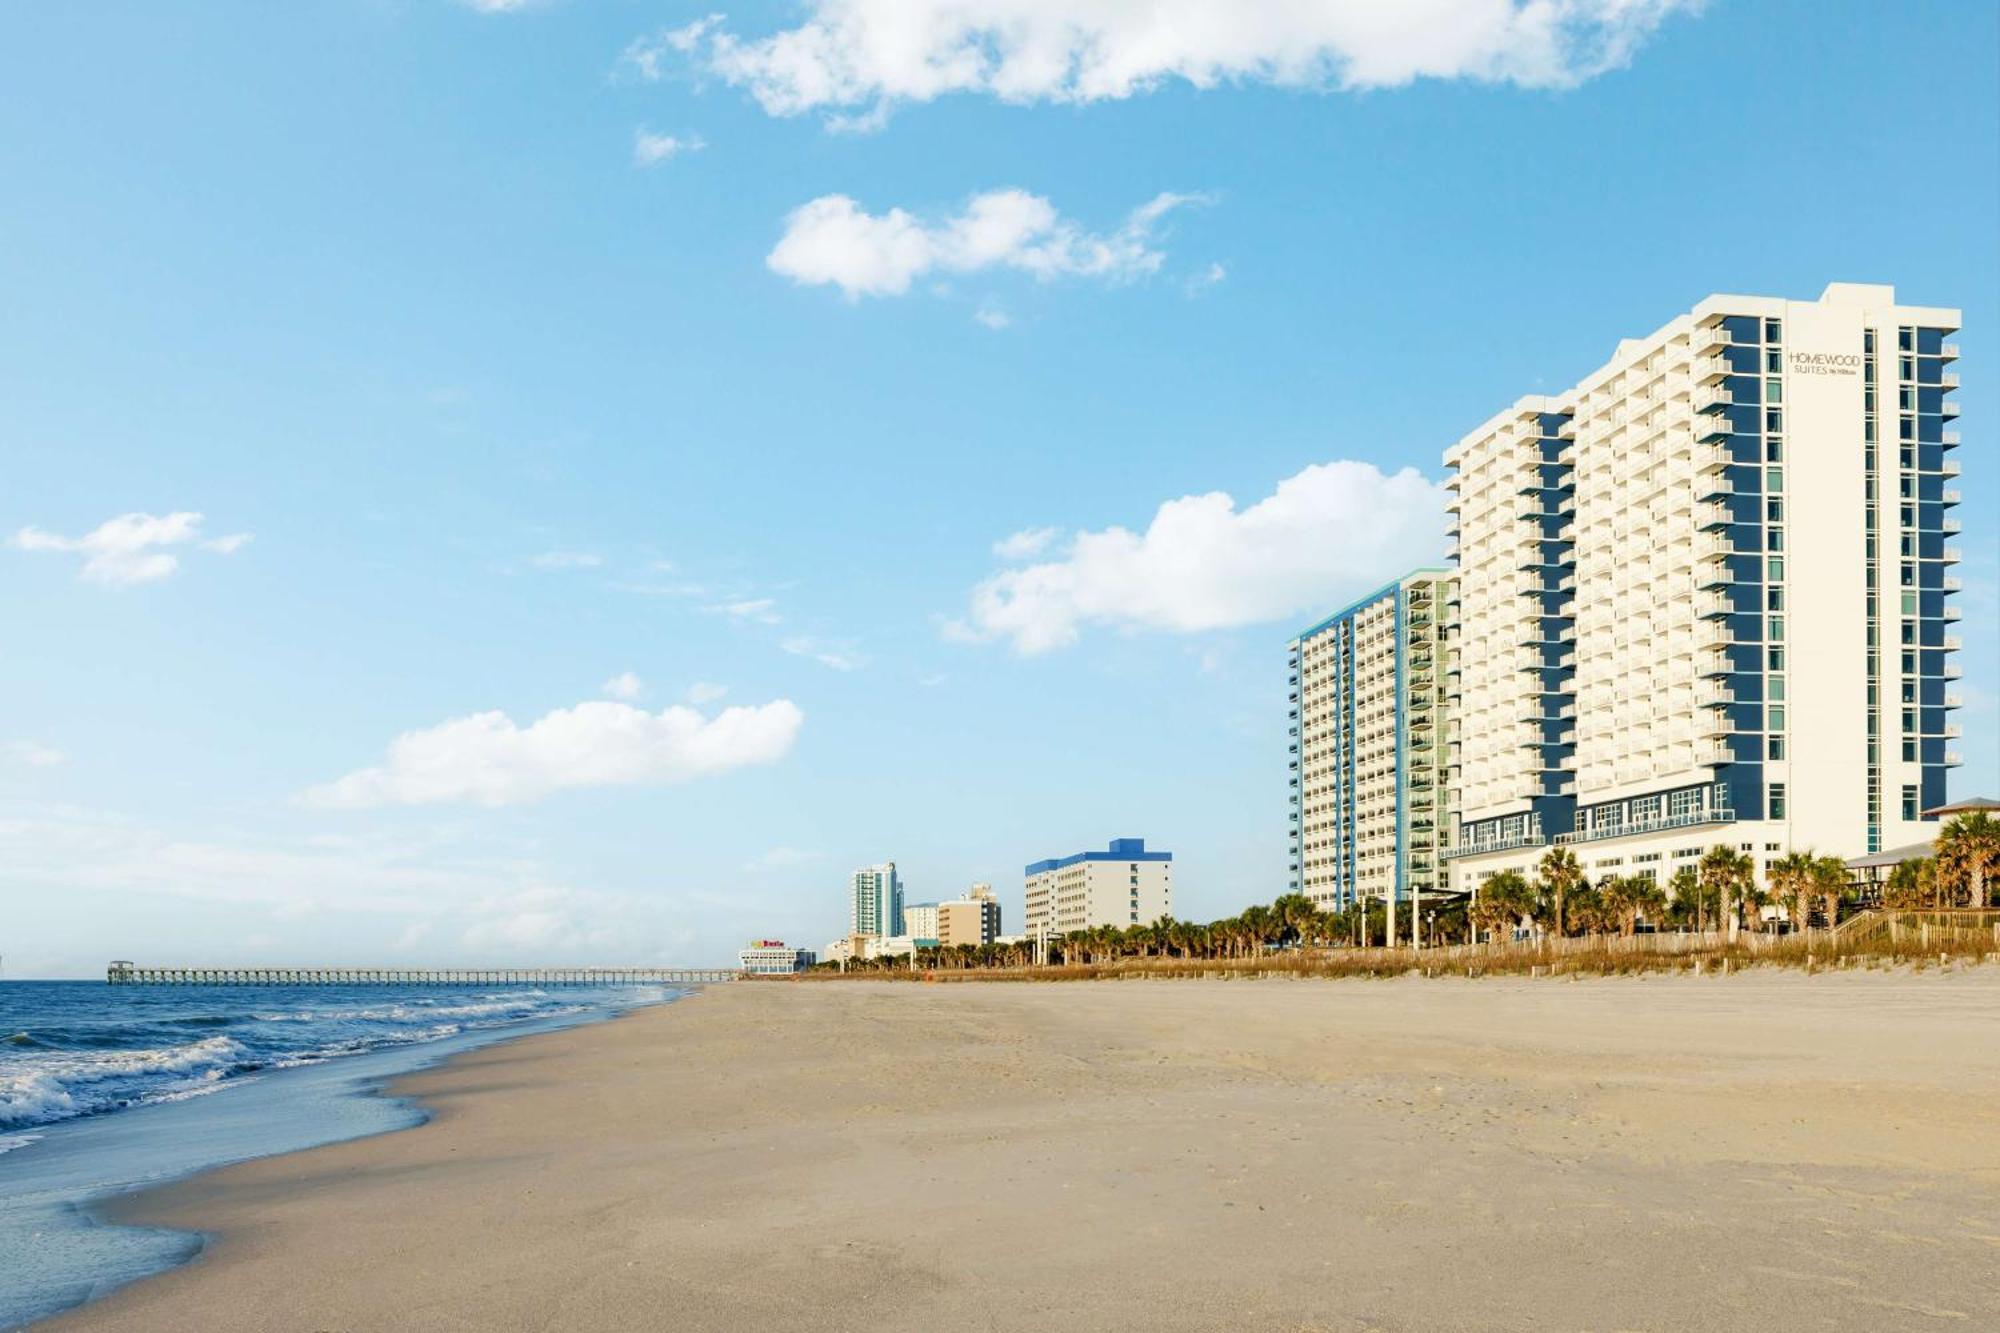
1787, 1152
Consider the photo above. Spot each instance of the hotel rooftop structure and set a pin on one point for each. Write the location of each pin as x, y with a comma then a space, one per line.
1368, 745
1703, 594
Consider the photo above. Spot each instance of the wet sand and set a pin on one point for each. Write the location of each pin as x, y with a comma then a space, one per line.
1766, 1151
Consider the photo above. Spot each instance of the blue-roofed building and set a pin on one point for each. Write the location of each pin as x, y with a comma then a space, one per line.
1121, 886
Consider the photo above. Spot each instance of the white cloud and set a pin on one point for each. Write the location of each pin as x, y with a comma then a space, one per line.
566, 560
874, 53
648, 56
832, 240
32, 753
625, 685
129, 549
649, 149
486, 758
498, 6
992, 317
1201, 282
839, 656
1026, 543
705, 692
782, 858
760, 610
1324, 536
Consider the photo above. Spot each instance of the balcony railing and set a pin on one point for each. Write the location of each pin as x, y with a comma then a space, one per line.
1690, 820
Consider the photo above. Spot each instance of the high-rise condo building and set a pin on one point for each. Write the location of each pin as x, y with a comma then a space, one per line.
1120, 887
973, 919
1703, 593
875, 901
1368, 753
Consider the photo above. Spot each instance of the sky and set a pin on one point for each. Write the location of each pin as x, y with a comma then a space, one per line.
563, 481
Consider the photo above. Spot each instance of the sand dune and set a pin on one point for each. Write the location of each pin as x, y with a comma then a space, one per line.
1764, 1152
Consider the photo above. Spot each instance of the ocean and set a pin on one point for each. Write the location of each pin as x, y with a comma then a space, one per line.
105, 1089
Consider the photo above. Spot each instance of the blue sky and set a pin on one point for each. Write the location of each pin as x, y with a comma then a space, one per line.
512, 336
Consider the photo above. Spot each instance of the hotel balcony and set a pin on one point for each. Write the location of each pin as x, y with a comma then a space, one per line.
1949, 407
1952, 671
1711, 458
1953, 759
1949, 379
1713, 665
1708, 606
1953, 583
1949, 496
1952, 643
1714, 484
1710, 398
1712, 516
1710, 546
1949, 351
1953, 613
1952, 555
1710, 337
1714, 696
1954, 701
1712, 428
1711, 756
1711, 369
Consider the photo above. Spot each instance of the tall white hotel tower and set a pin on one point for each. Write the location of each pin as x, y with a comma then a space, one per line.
1702, 595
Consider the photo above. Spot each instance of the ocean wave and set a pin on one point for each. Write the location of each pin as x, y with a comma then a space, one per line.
105, 1051
62, 1086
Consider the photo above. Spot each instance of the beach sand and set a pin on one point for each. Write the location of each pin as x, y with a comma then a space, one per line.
1767, 1151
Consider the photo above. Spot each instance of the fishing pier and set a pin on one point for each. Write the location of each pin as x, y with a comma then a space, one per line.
123, 973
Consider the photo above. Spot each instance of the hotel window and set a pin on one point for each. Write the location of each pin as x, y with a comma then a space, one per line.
1774, 391
1778, 688
1776, 748
1774, 450
1910, 804
1777, 800
1773, 359
1774, 479
1774, 510
1775, 630
1774, 567
1777, 717
1774, 418
1772, 329
1909, 752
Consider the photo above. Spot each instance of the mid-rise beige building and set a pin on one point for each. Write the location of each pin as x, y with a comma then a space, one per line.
973, 919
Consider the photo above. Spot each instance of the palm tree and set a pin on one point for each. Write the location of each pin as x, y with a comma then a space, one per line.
1829, 882
1501, 902
1728, 873
1968, 851
1689, 898
1910, 883
1560, 875
1791, 880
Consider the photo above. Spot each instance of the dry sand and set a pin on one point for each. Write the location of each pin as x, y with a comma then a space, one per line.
1768, 1152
